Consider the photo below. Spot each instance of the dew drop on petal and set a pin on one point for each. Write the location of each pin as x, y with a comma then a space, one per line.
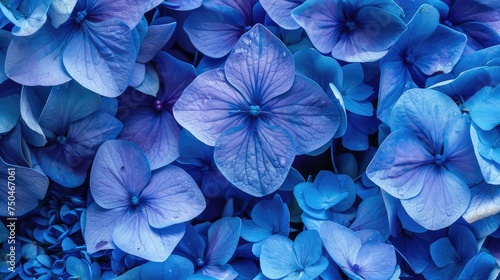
400, 191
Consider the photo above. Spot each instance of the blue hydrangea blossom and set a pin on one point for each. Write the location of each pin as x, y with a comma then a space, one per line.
139, 211
244, 111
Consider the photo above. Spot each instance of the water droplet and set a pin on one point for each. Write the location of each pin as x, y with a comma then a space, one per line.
170, 270
455, 114
205, 100
400, 191
176, 217
282, 162
457, 130
283, 54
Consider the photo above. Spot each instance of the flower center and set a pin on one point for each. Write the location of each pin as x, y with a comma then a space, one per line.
80, 16
248, 27
61, 139
351, 25
255, 110
409, 58
439, 159
448, 23
355, 268
135, 200
200, 262
300, 268
158, 105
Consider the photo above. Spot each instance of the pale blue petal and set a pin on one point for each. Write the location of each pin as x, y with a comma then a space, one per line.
134, 236
307, 247
151, 83
128, 11
483, 107
175, 268
256, 159
100, 225
183, 5
10, 108
277, 258
485, 202
30, 17
479, 267
157, 36
33, 100
443, 253
223, 272
319, 68
442, 201
60, 10
120, 171
341, 243
171, 197
372, 215
377, 261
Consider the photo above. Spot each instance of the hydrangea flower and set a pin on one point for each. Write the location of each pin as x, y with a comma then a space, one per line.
211, 254
139, 211
301, 259
370, 260
424, 49
433, 183
269, 217
97, 31
327, 194
244, 110
148, 121
27, 15
353, 31
74, 125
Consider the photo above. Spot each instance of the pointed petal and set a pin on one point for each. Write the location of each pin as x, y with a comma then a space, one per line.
100, 225
260, 66
341, 243
223, 237
277, 258
98, 61
32, 101
120, 171
171, 197
209, 106
441, 202
134, 236
156, 37
443, 253
307, 113
192, 245
41, 63
256, 159
252, 232
372, 215
400, 174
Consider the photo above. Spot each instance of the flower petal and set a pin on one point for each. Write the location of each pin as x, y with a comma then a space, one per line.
98, 61
134, 236
223, 237
377, 261
260, 66
442, 201
306, 112
120, 171
341, 243
100, 224
397, 172
171, 197
281, 12
209, 106
255, 158
276, 258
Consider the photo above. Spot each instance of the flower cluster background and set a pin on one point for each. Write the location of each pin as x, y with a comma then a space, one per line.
250, 139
